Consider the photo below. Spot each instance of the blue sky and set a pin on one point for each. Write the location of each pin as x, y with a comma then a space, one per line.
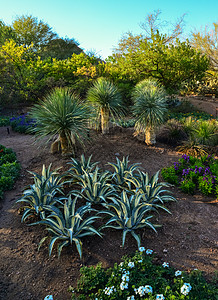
98, 25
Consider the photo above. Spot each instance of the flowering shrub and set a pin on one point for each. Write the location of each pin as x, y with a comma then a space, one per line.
22, 123
140, 277
9, 169
192, 173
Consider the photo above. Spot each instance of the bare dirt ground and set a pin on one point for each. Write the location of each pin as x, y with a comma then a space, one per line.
187, 240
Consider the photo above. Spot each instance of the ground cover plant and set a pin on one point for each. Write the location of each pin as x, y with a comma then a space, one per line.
142, 277
194, 174
9, 169
22, 123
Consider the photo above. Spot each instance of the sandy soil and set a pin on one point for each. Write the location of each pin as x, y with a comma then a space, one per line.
187, 240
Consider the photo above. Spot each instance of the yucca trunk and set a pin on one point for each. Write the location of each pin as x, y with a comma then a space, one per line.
105, 120
150, 136
64, 143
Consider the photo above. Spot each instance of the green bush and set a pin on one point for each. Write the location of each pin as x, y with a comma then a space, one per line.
140, 276
169, 174
9, 169
188, 186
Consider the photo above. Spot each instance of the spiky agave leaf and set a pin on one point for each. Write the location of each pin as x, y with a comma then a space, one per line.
78, 167
61, 113
122, 171
69, 226
42, 194
96, 186
129, 214
152, 191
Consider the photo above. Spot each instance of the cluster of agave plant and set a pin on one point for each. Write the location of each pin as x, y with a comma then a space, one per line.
126, 196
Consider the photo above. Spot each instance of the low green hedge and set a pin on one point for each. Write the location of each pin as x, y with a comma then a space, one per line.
9, 169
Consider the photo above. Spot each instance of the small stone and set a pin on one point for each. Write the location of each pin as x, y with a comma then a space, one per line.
117, 154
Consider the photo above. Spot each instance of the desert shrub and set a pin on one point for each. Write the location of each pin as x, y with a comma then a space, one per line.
172, 133
9, 169
192, 148
140, 277
195, 173
194, 114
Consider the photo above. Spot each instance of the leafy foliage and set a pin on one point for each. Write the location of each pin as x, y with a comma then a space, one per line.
9, 169
80, 167
192, 173
140, 275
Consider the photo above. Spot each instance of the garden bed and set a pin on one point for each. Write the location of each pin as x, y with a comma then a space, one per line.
187, 240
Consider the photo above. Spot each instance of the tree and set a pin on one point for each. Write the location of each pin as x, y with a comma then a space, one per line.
29, 30
149, 108
206, 41
64, 114
106, 100
6, 33
171, 64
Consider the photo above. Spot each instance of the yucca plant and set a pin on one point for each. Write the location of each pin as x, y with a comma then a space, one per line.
79, 167
122, 171
129, 214
64, 114
69, 225
152, 191
42, 195
149, 108
95, 187
106, 100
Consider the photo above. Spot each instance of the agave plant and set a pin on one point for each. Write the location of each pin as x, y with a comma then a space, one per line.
64, 114
41, 196
79, 167
95, 187
129, 214
152, 191
68, 225
106, 100
149, 109
122, 171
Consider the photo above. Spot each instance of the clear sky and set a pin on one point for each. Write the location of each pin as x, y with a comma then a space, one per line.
99, 24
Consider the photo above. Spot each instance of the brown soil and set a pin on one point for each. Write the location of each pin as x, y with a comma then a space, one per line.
187, 240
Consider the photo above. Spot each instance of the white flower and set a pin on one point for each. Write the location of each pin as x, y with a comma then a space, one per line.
142, 290
131, 297
125, 277
149, 251
48, 297
131, 264
160, 297
121, 264
109, 290
186, 288
178, 273
140, 261
141, 249
123, 285
165, 265
148, 289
